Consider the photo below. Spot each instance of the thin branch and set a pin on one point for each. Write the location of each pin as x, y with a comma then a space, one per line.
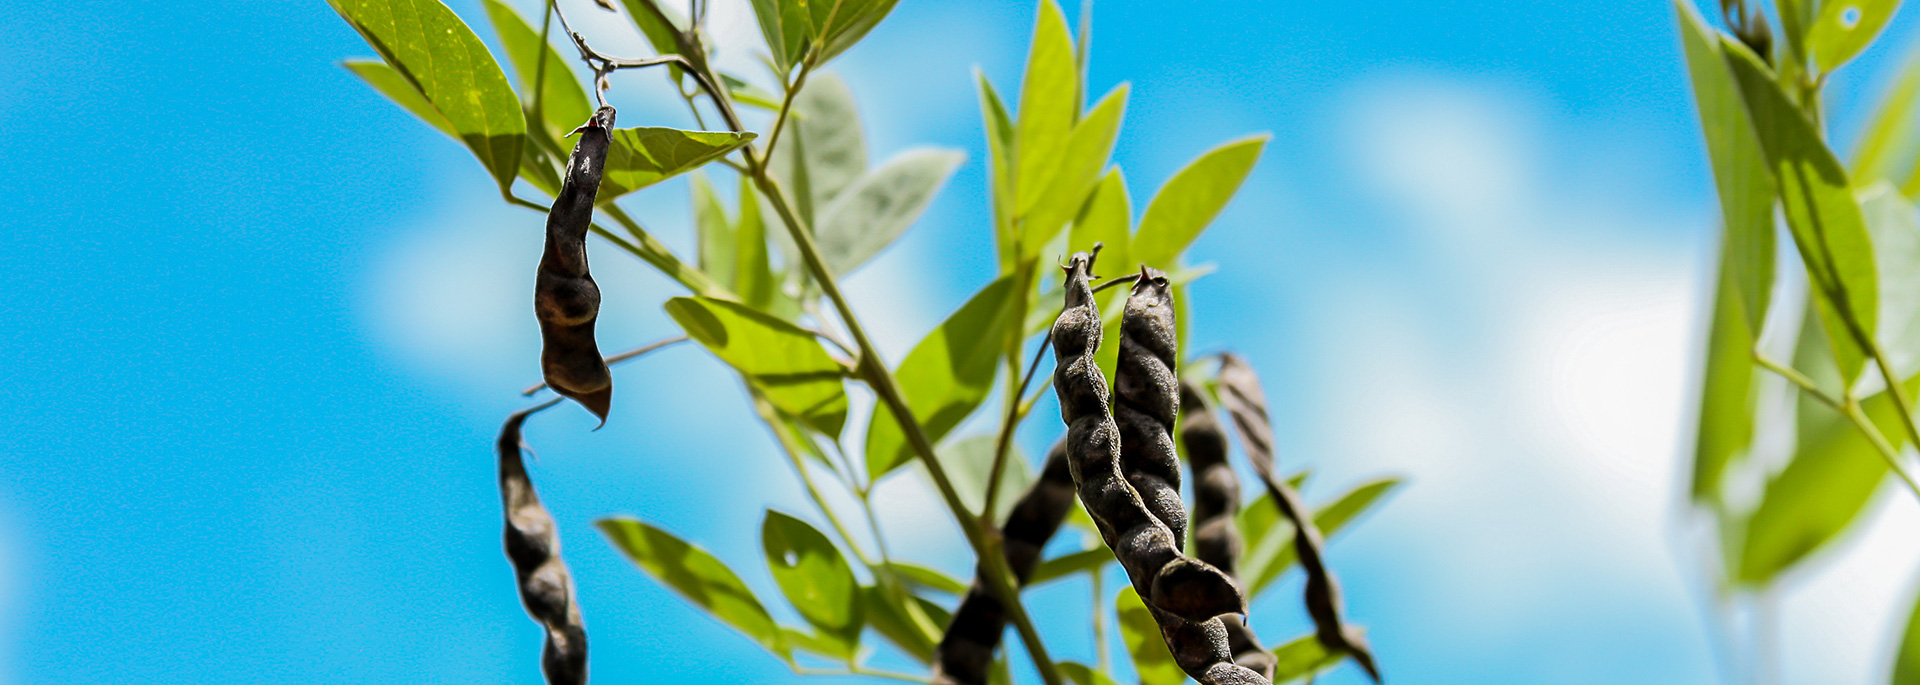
615, 359
1850, 409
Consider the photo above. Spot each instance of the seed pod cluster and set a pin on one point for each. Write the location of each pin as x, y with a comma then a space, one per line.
1246, 402
1216, 501
565, 298
1184, 594
966, 649
533, 546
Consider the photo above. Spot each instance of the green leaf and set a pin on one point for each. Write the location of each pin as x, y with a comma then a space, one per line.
1833, 474
784, 26
1075, 172
813, 575
435, 52
718, 241
1081, 674
891, 622
851, 21
1845, 27
823, 149
391, 84
969, 461
1069, 564
1740, 171
1906, 664
999, 130
640, 157
1895, 228
1301, 657
563, 103
1271, 553
823, 645
658, 22
1890, 132
745, 93
754, 279
1141, 633
784, 360
1191, 199
946, 376
697, 576
878, 207
1728, 394
1818, 203
1107, 219
920, 576
1047, 110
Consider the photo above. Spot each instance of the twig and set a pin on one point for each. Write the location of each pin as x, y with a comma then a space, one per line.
615, 359
1848, 408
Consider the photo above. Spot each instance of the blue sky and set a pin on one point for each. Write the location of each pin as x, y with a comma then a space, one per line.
262, 326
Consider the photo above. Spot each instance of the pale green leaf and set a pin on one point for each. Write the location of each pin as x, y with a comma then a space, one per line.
658, 22
563, 103
999, 130
1895, 228
946, 376
1845, 27
718, 241
823, 149
1075, 172
1890, 133
436, 52
1106, 219
754, 279
1141, 633
1191, 199
968, 463
785, 27
784, 360
1045, 119
816, 579
881, 205
1069, 564
698, 576
1727, 392
640, 157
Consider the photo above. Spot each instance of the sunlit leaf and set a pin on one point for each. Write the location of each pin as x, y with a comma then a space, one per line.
946, 376
784, 360
816, 579
1069, 564
850, 22
1107, 218
391, 84
696, 575
1889, 135
968, 463
563, 103
1075, 172
1141, 633
784, 26
881, 205
1047, 109
999, 130
640, 157
1191, 199
1895, 228
1301, 657
921, 576
890, 621
1081, 674
753, 278
718, 242
1906, 663
1740, 172
435, 51
1845, 27
658, 22
1271, 553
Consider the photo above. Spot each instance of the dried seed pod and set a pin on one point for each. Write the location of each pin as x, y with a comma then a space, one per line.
1240, 391
1146, 399
565, 298
1216, 501
1184, 594
966, 649
533, 546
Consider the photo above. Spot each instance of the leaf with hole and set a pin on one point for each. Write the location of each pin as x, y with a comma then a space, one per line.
1844, 28
814, 576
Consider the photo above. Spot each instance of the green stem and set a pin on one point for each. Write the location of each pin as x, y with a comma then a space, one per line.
1849, 408
771, 416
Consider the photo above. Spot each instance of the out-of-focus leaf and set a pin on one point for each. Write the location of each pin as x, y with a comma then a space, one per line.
1891, 130
1045, 119
878, 207
1818, 203
640, 157
753, 279
823, 149
932, 579
451, 69
1081, 674
658, 22
1076, 171
718, 240
745, 93
946, 376
850, 22
1833, 474
1895, 228
1069, 564
891, 622
1727, 394
1906, 663
1301, 657
1191, 199
969, 461
563, 104
823, 645
1141, 633
697, 576
1272, 553
1740, 171
784, 26
784, 360
1845, 27
999, 129
391, 84
814, 576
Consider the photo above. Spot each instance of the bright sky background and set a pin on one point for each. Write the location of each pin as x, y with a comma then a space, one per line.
261, 328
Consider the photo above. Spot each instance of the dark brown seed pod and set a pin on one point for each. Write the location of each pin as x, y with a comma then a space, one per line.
966, 649
565, 298
1184, 594
1246, 402
1146, 399
1216, 501
533, 546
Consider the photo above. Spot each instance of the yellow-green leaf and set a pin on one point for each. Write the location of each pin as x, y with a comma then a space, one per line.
783, 360
563, 103
640, 157
1845, 27
814, 576
698, 576
1301, 657
1047, 107
946, 376
1269, 548
1191, 199
1141, 633
1075, 172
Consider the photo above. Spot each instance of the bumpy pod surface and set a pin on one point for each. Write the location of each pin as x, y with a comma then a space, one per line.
1216, 500
565, 298
1246, 402
1147, 399
966, 649
1184, 594
533, 546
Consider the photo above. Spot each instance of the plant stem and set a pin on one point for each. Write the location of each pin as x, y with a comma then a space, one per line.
1849, 408
771, 416
1099, 622
617, 358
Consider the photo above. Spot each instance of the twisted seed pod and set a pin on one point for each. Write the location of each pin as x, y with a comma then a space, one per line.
1246, 402
1184, 594
966, 649
1216, 500
565, 298
1146, 400
533, 546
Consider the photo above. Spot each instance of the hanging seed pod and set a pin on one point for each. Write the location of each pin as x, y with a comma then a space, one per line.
1216, 501
1184, 594
1146, 398
1246, 402
533, 546
966, 649
565, 298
